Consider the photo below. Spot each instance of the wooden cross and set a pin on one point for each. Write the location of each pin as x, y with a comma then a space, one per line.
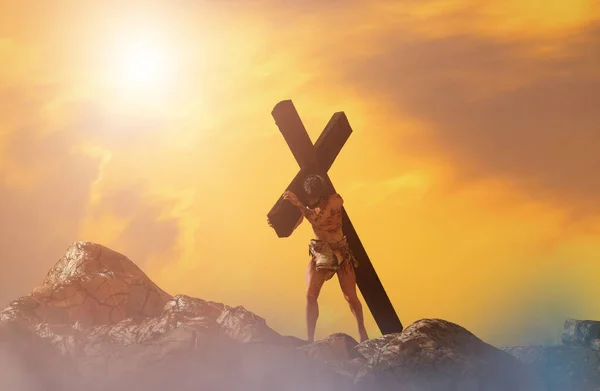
318, 159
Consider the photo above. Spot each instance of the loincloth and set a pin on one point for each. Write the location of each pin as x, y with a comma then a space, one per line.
330, 256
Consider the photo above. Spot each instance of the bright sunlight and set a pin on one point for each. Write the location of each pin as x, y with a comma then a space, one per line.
144, 66
140, 66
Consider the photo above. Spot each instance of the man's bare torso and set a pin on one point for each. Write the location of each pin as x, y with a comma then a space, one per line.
327, 219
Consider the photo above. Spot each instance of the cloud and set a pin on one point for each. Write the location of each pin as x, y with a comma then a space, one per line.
145, 233
459, 115
44, 192
56, 151
499, 108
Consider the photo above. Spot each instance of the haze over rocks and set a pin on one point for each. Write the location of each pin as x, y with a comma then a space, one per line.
98, 322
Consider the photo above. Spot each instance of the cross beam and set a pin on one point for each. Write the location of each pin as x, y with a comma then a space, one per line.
319, 158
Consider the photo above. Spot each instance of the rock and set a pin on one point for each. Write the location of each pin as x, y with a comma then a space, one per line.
373, 346
337, 347
236, 322
338, 353
433, 354
581, 332
99, 323
561, 367
291, 341
92, 285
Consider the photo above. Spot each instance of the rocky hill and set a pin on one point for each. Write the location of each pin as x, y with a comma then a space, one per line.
99, 323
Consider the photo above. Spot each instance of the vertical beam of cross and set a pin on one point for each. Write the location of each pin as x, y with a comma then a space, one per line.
319, 158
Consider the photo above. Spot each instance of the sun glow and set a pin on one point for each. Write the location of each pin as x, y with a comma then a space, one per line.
144, 65
139, 67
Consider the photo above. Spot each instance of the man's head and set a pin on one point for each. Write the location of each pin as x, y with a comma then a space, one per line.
314, 186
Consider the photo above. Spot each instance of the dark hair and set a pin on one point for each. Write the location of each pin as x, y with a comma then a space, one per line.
314, 185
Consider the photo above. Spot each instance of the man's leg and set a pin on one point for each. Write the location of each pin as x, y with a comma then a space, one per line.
347, 280
314, 282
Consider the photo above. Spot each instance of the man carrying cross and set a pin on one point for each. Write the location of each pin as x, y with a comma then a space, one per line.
329, 250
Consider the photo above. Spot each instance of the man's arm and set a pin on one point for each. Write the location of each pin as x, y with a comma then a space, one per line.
306, 212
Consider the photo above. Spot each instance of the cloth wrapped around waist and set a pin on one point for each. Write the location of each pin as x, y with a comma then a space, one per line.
331, 255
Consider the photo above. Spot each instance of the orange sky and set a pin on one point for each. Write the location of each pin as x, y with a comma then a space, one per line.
469, 176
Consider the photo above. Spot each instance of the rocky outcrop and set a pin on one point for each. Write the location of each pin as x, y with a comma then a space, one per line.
98, 323
433, 354
584, 333
90, 285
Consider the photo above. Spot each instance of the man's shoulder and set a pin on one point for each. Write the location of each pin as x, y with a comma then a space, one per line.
336, 197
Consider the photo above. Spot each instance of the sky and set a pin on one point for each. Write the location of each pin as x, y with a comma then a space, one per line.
471, 175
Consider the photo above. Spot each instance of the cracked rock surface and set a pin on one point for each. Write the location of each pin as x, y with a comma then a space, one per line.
584, 333
90, 285
98, 322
